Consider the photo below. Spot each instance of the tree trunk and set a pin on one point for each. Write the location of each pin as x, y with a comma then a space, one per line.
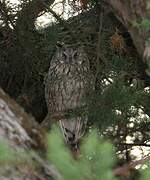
130, 12
21, 133
15, 125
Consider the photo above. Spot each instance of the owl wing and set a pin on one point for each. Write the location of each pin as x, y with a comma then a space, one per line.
72, 97
67, 92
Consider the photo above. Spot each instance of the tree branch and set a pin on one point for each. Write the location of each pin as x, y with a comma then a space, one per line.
4, 13
29, 13
126, 169
57, 17
134, 144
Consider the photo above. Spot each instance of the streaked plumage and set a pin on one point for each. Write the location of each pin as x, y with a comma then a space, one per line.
66, 86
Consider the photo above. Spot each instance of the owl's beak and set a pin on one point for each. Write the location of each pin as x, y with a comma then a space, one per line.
70, 59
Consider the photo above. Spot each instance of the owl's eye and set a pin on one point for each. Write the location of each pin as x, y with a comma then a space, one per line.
64, 55
75, 54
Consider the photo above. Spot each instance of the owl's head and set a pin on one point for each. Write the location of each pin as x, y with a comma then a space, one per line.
68, 55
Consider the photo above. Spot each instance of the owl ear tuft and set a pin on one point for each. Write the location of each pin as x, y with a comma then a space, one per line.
60, 44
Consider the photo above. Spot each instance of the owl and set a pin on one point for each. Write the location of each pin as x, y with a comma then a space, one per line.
67, 85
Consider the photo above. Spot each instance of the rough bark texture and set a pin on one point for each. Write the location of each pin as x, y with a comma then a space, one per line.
16, 126
21, 133
134, 11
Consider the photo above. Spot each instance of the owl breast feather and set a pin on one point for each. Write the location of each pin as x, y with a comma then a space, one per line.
66, 87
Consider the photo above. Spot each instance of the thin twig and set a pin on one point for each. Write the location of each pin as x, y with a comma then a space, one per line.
59, 19
56, 16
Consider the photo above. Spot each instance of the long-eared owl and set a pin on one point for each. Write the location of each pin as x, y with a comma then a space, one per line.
67, 84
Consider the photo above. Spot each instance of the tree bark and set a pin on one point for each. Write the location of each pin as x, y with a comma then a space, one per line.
132, 11
21, 133
15, 125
